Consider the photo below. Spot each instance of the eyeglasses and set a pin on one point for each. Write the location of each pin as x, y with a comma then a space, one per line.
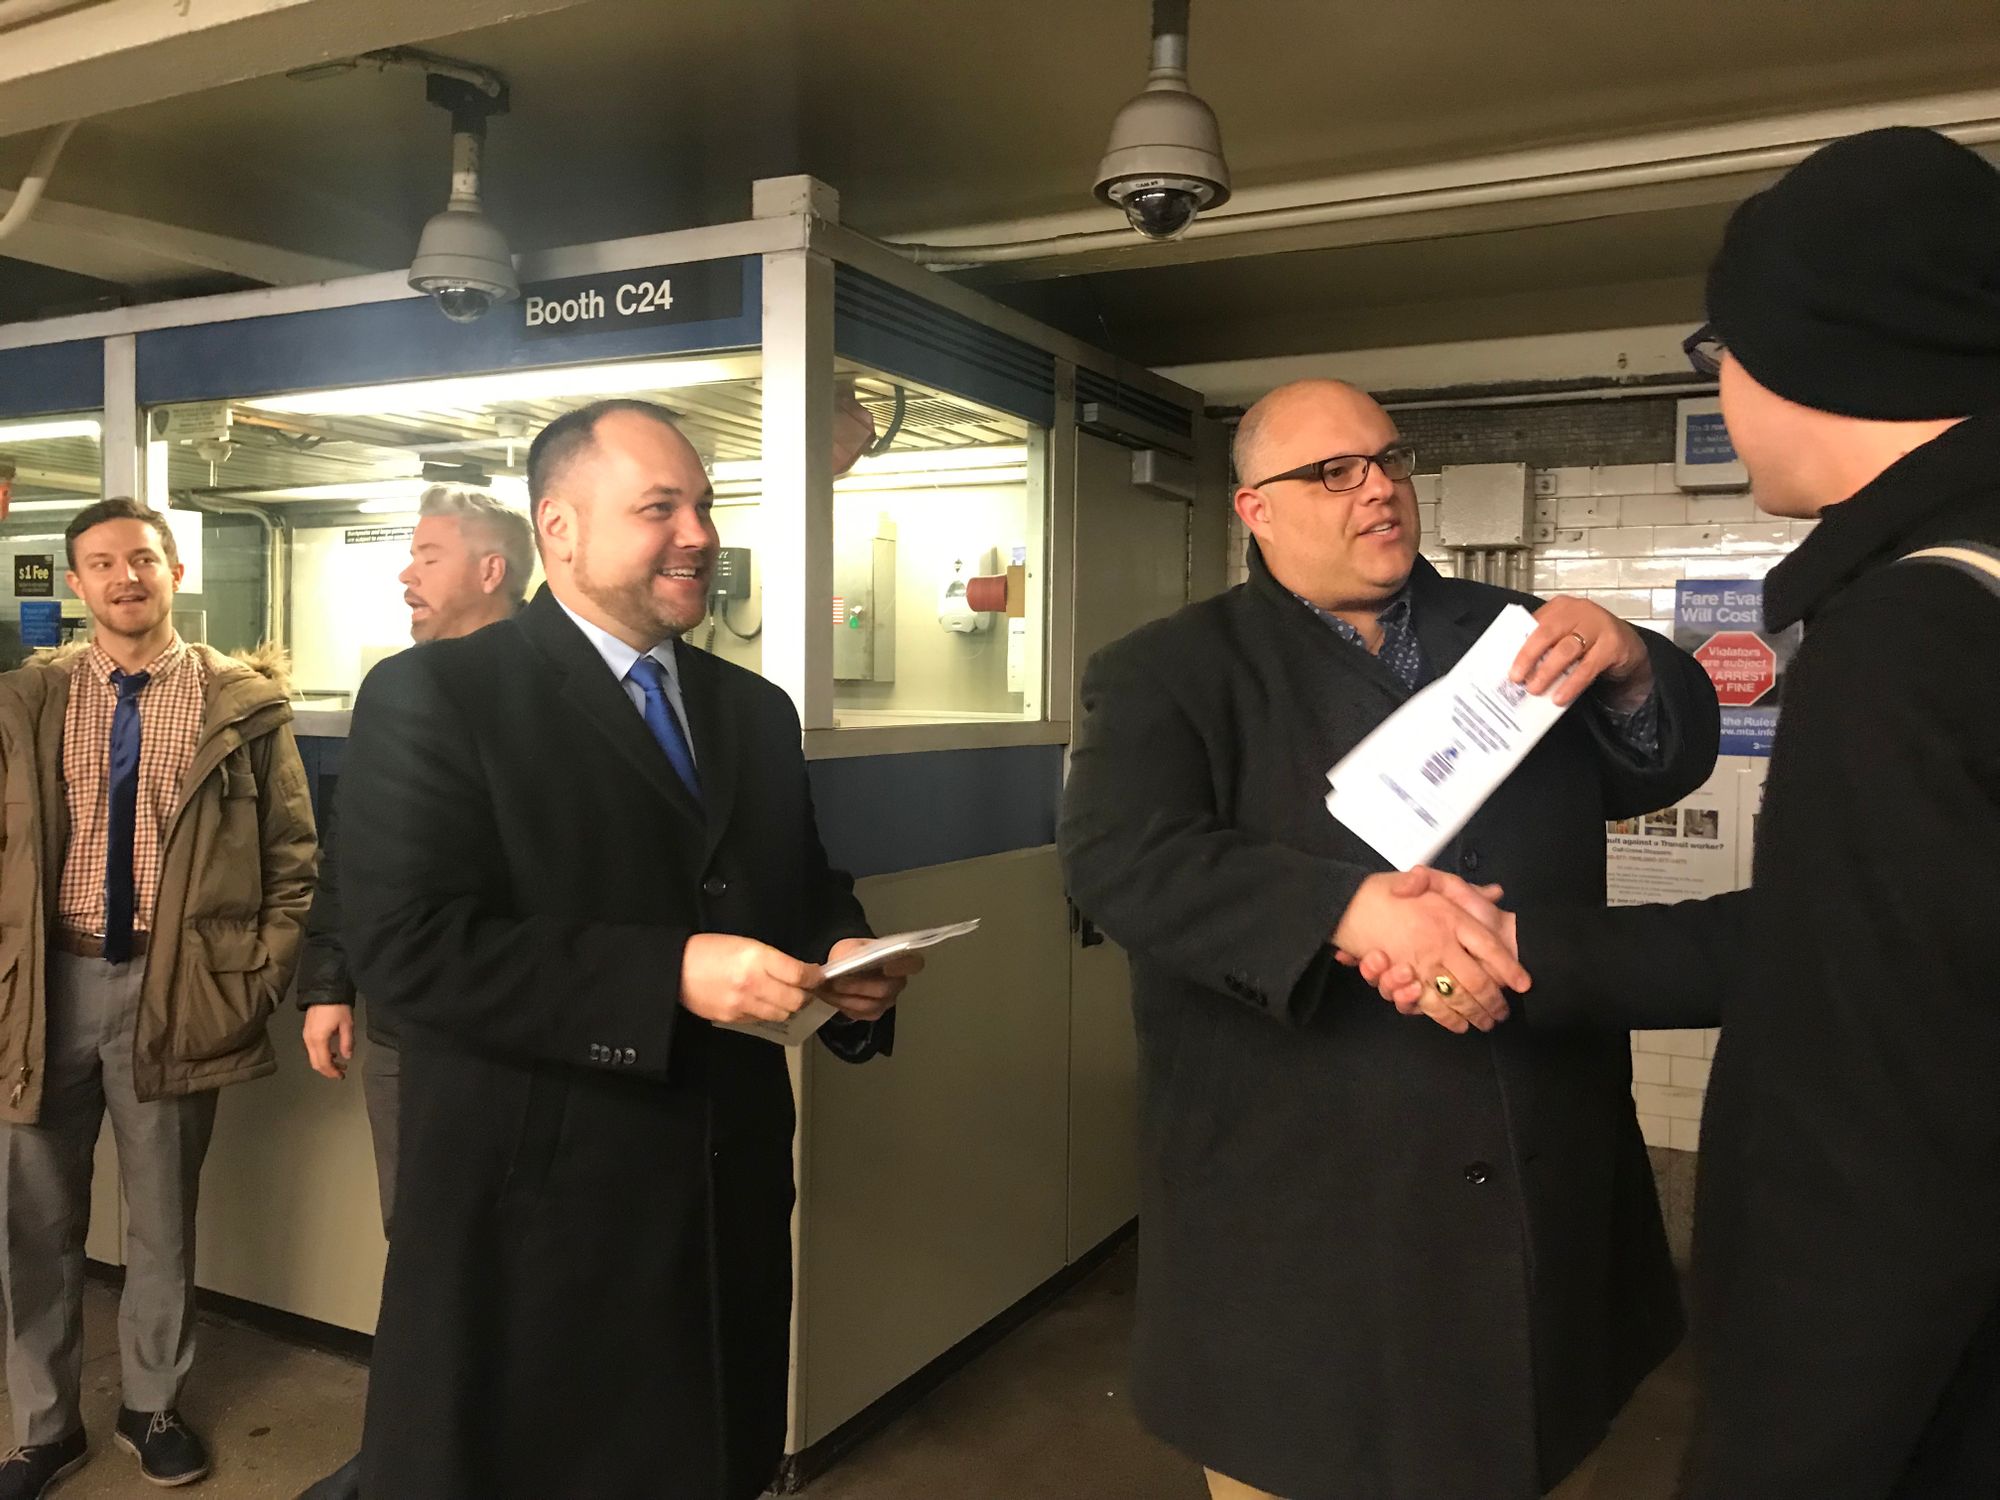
1704, 349
1349, 471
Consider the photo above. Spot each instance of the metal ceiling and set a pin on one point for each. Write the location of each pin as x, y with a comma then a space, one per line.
633, 116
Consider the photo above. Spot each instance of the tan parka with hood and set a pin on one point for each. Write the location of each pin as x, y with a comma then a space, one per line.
235, 880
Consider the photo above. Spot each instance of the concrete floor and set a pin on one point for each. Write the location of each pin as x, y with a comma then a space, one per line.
1043, 1416
277, 1416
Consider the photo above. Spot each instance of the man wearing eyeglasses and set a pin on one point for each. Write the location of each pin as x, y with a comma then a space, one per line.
1378, 1258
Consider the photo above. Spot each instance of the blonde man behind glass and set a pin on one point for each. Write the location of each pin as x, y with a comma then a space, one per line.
470, 560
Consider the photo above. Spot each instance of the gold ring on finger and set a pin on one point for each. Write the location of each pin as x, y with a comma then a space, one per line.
1445, 985
1577, 636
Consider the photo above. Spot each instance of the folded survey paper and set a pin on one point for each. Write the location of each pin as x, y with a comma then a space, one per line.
878, 951
871, 954
1420, 775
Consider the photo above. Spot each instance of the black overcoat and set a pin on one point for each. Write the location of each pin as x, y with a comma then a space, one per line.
588, 1294
1847, 1222
1377, 1261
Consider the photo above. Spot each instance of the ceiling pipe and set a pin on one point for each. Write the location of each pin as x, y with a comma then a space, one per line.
1557, 395
1425, 200
275, 606
30, 193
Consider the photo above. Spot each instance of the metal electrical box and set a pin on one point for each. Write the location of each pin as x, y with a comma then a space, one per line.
1485, 505
864, 607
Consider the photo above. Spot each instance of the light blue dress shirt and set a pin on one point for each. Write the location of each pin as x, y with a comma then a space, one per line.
619, 657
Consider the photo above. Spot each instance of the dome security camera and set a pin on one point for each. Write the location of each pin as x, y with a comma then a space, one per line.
1164, 164
462, 263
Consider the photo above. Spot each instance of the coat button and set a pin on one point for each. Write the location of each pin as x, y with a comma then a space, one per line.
1470, 860
628, 1057
714, 886
1477, 1173
596, 1052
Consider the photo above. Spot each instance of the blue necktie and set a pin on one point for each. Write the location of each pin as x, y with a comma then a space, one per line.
118, 893
664, 722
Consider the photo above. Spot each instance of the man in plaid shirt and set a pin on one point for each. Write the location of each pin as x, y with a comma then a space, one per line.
155, 865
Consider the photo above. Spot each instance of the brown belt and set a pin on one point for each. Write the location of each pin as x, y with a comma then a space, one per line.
93, 947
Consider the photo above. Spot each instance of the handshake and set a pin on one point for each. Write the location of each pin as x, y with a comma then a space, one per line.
1435, 946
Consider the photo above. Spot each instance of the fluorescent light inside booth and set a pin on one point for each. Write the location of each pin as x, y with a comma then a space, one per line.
403, 492
937, 460
464, 392
43, 432
932, 479
920, 461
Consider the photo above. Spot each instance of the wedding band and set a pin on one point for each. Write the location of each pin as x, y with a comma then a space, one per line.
1445, 985
1577, 636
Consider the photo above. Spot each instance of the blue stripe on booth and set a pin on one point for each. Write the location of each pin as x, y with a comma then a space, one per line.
408, 339
879, 814
44, 380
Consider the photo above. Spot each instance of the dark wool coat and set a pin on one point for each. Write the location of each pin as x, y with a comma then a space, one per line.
1377, 1261
589, 1290
1847, 1228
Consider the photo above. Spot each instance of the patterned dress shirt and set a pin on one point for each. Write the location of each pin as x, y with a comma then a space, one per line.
1403, 654
170, 715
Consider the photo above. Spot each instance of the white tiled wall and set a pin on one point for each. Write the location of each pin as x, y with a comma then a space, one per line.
1669, 1083
1624, 535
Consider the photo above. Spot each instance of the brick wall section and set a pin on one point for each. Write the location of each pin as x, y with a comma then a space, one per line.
1633, 430
1624, 534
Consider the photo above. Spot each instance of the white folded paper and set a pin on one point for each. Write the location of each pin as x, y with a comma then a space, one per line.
1420, 775
878, 951
871, 954
795, 1032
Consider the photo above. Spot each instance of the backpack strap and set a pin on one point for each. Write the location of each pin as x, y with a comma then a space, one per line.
1975, 559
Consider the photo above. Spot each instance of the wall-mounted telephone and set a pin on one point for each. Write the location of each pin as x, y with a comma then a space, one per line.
728, 583
731, 579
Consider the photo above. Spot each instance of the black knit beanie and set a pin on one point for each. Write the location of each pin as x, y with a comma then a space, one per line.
1867, 281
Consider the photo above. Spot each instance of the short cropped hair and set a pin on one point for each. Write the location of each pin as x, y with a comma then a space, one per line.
120, 508
505, 528
1244, 454
574, 434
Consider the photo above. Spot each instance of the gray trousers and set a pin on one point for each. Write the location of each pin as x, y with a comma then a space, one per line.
45, 1172
381, 1089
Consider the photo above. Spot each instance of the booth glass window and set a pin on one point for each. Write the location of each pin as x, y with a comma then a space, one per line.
939, 556
308, 500
50, 468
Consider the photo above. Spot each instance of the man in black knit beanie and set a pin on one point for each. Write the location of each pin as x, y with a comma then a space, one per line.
1847, 1226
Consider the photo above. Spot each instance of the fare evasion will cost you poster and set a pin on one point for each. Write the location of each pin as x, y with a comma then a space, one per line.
1703, 846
